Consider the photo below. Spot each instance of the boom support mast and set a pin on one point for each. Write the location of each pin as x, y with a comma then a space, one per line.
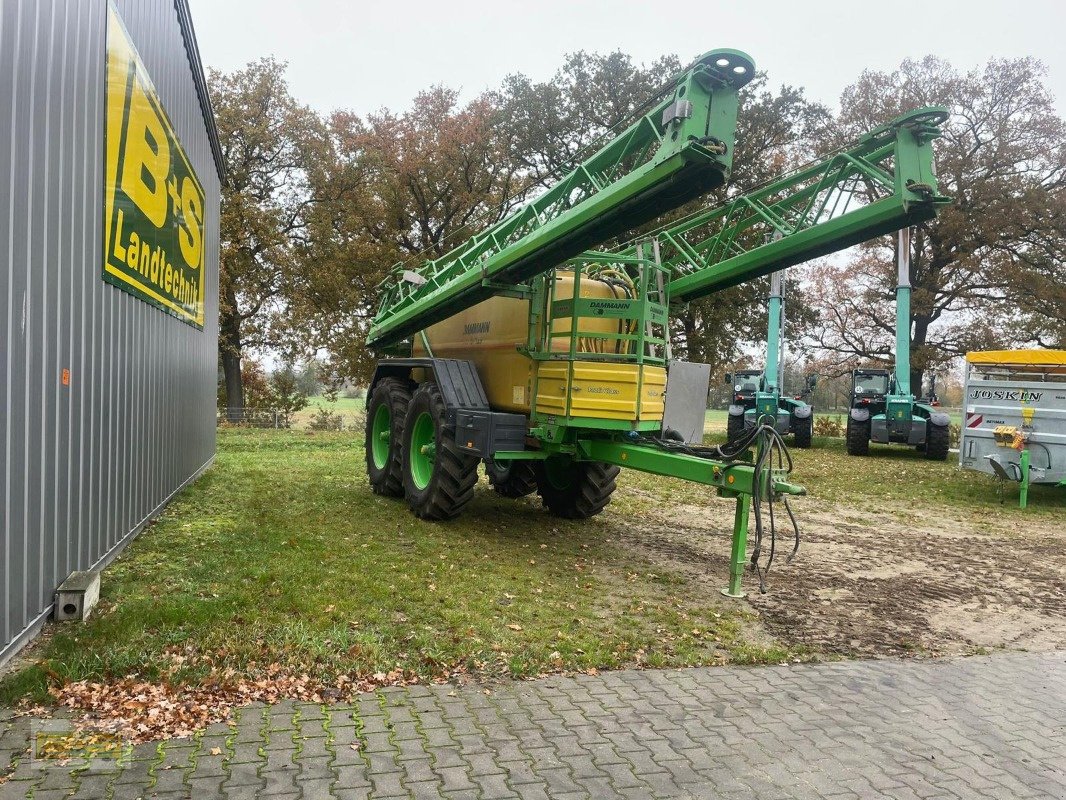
775, 356
903, 313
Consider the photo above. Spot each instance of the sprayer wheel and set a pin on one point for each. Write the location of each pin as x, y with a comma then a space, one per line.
575, 489
438, 477
385, 413
511, 478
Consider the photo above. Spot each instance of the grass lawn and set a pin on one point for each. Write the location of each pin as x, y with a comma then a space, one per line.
350, 409
900, 480
281, 554
340, 405
897, 480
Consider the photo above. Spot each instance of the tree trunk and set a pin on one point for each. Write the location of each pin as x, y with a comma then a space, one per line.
229, 346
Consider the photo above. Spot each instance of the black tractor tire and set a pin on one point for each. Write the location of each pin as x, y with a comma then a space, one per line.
394, 394
575, 489
937, 442
802, 431
453, 473
512, 479
858, 438
734, 428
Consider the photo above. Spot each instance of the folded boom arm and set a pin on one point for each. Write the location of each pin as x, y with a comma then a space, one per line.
679, 150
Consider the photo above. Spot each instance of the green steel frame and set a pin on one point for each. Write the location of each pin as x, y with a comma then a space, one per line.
643, 317
649, 305
618, 441
679, 150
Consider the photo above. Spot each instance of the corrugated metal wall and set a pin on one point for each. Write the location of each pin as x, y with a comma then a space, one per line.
84, 466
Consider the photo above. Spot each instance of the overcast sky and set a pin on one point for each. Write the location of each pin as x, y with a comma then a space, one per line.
363, 56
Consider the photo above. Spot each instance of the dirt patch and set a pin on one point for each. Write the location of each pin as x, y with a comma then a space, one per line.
877, 584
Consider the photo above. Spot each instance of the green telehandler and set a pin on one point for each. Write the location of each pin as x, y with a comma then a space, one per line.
883, 409
758, 395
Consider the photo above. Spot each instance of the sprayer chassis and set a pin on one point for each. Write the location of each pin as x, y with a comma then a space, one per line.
571, 369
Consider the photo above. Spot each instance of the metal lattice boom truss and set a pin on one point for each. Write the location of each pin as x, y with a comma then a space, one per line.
884, 182
679, 150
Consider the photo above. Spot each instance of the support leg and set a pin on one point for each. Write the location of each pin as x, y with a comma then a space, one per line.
738, 555
1023, 495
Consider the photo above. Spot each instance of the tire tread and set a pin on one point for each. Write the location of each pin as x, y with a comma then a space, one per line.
858, 437
589, 493
937, 442
454, 476
520, 480
734, 428
388, 483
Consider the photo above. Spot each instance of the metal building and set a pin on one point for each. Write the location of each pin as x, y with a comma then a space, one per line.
110, 173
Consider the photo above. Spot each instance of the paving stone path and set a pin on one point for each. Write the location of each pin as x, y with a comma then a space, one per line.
989, 726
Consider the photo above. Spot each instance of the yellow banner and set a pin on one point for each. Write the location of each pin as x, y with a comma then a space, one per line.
153, 201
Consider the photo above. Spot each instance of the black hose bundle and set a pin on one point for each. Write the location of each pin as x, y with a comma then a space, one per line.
770, 443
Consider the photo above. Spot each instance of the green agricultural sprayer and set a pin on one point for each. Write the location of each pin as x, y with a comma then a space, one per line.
550, 363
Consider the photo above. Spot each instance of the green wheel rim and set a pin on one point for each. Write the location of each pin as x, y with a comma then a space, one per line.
557, 471
423, 435
380, 433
